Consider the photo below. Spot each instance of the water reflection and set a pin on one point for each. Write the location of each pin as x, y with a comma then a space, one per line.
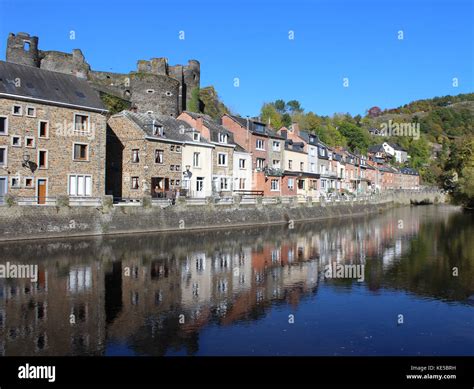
156, 294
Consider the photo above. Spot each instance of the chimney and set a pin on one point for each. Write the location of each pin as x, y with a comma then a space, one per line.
296, 128
202, 129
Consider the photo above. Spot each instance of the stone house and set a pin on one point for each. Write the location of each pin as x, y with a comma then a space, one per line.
52, 136
145, 155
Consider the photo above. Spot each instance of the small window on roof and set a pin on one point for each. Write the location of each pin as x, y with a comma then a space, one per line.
150, 91
80, 94
168, 93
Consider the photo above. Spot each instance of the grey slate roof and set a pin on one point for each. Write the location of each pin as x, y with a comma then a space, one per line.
173, 129
214, 128
408, 170
376, 149
254, 126
306, 137
53, 87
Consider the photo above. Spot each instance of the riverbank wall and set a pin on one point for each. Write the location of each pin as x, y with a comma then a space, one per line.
20, 222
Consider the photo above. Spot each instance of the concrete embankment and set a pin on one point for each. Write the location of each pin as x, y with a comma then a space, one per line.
37, 222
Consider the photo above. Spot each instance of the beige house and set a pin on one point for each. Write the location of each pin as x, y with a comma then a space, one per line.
52, 137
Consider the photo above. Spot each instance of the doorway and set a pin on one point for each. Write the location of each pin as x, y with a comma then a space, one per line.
3, 189
159, 187
41, 191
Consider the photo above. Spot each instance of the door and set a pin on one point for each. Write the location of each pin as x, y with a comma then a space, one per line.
199, 186
3, 189
41, 191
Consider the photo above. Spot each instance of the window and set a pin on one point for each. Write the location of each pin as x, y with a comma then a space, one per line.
172, 168
178, 149
242, 163
222, 159
224, 183
276, 164
241, 183
260, 163
16, 141
150, 91
135, 155
43, 129
29, 182
3, 125
301, 166
29, 142
157, 130
196, 136
300, 184
3, 156
290, 164
172, 148
276, 145
178, 182
80, 185
260, 144
291, 183
223, 138
134, 182
275, 185
17, 110
323, 184
312, 151
196, 159
172, 182
81, 123
15, 182
31, 112
43, 159
313, 167
81, 152
177, 168
159, 156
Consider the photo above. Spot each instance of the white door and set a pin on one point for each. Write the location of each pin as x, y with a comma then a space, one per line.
199, 186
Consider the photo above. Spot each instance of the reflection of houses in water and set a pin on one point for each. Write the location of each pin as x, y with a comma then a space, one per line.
127, 288
61, 314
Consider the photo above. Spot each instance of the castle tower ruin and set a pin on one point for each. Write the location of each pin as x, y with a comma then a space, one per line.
23, 49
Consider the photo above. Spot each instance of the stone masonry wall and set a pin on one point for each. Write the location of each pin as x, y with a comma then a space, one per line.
30, 222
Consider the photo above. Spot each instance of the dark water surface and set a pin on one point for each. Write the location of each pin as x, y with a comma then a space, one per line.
258, 291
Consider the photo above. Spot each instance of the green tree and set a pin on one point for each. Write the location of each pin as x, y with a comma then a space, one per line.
195, 101
294, 106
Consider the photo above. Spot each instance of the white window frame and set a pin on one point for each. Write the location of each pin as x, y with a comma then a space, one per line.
291, 183
162, 157
6, 156
196, 158
257, 144
47, 129
34, 142
225, 159
223, 138
262, 160
6, 125
138, 183
11, 142
196, 136
277, 189
18, 179
77, 185
87, 151
38, 159
242, 163
226, 181
88, 130
290, 164
13, 110
32, 182
276, 165
34, 111
133, 154
276, 145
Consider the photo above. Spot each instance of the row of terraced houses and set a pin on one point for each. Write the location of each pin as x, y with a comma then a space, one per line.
58, 140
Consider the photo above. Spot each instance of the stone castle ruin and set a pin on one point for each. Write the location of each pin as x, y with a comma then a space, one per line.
154, 87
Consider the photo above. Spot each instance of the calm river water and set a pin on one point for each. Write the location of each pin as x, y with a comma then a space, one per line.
258, 291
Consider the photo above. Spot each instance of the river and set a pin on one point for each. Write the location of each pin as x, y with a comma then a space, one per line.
254, 291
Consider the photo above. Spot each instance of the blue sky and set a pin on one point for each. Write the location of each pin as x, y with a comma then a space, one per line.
249, 40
